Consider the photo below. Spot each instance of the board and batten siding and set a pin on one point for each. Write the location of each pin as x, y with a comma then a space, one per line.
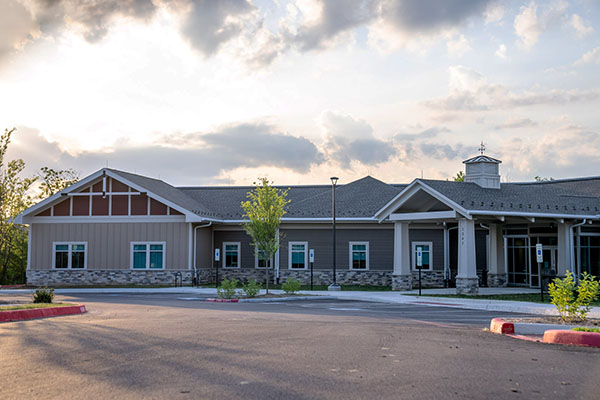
109, 244
381, 246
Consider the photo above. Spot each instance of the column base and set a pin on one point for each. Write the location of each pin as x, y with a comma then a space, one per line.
497, 280
402, 282
468, 286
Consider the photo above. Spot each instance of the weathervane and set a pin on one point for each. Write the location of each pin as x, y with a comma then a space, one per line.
482, 148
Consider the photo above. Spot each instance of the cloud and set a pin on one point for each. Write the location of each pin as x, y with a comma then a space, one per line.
579, 25
501, 52
494, 14
592, 56
349, 139
17, 26
529, 25
516, 124
470, 91
445, 151
458, 47
188, 157
211, 23
425, 134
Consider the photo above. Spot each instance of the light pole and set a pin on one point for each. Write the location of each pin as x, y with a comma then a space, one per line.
334, 179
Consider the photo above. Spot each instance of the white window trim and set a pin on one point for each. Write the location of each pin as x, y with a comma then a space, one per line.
414, 255
350, 256
239, 254
305, 244
164, 256
85, 255
256, 261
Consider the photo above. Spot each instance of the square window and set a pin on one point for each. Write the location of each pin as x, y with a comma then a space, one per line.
147, 255
69, 255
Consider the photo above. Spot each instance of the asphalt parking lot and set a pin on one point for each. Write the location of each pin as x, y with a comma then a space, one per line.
178, 346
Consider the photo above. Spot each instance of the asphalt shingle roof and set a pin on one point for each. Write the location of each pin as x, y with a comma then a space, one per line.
568, 196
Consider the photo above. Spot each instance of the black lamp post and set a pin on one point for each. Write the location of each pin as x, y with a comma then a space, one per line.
334, 285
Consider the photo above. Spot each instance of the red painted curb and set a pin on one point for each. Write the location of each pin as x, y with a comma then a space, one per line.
222, 300
591, 339
11, 286
498, 325
34, 313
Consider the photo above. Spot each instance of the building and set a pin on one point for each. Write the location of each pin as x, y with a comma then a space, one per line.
115, 227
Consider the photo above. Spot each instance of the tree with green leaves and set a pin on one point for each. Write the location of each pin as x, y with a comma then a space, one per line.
53, 181
460, 177
14, 198
265, 207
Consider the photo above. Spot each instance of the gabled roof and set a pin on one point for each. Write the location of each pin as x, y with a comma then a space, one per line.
482, 158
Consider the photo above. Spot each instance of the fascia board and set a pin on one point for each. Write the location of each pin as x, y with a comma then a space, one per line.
530, 214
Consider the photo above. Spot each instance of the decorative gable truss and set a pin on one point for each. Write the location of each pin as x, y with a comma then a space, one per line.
101, 197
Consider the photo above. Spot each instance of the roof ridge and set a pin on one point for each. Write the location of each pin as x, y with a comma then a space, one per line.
578, 179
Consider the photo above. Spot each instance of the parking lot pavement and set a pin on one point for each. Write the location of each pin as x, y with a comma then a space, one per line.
164, 347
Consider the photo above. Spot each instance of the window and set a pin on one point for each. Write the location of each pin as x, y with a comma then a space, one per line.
359, 255
69, 255
261, 264
149, 255
298, 255
231, 254
426, 255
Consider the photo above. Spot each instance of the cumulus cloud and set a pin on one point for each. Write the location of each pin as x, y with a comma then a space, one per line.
17, 26
529, 25
501, 52
458, 46
424, 134
592, 56
193, 156
494, 13
445, 151
470, 91
580, 27
349, 139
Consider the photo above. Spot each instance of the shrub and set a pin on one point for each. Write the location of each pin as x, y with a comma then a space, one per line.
582, 329
562, 295
43, 295
251, 288
291, 285
227, 289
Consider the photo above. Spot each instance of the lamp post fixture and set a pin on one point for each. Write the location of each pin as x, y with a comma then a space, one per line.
334, 285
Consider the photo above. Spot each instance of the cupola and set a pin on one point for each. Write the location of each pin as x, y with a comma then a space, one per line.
483, 170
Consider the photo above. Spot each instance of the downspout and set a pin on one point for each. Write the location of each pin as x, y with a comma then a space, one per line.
572, 246
195, 243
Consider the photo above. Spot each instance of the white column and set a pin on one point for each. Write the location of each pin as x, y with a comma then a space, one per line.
497, 276
466, 279
402, 277
564, 261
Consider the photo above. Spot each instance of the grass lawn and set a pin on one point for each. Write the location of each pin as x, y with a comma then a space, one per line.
321, 287
34, 305
530, 297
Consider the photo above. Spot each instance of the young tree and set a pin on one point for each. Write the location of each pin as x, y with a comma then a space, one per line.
53, 181
14, 199
460, 177
264, 209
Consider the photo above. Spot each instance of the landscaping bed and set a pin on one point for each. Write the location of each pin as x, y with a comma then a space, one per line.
30, 306
555, 320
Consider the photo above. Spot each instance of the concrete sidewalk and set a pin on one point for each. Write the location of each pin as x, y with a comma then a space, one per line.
379, 297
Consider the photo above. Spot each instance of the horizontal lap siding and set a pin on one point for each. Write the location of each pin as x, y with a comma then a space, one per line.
109, 243
436, 237
381, 246
246, 248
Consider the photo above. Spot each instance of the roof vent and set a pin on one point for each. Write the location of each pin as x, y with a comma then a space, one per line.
483, 170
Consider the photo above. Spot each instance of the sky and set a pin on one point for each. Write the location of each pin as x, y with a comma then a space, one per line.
213, 92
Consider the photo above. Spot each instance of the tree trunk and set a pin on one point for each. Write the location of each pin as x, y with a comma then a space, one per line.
268, 264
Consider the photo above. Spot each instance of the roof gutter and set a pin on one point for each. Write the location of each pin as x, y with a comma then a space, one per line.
529, 214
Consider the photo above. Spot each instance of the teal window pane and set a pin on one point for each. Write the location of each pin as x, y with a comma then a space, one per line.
78, 247
425, 258
297, 247
359, 247
231, 256
62, 247
139, 247
156, 259
157, 247
298, 256
78, 259
139, 259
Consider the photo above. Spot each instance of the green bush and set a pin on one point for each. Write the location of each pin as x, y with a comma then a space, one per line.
562, 295
251, 288
227, 289
291, 285
43, 295
582, 329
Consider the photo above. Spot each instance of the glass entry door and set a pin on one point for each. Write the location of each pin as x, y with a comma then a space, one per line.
550, 254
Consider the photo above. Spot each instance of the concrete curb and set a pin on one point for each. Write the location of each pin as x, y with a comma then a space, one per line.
35, 313
276, 299
498, 325
589, 339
